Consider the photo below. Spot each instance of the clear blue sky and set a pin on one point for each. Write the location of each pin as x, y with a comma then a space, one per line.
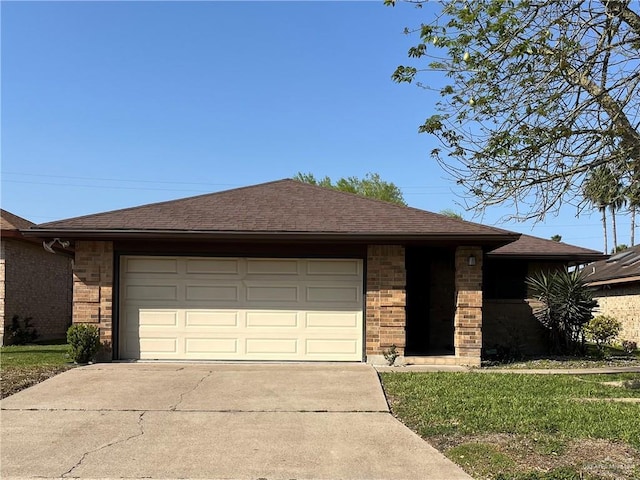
115, 104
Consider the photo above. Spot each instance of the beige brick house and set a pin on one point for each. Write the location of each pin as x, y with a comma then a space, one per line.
33, 282
286, 271
616, 283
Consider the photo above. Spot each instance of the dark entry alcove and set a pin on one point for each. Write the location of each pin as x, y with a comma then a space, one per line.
430, 302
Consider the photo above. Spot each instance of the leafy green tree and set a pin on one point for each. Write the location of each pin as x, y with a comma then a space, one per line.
451, 214
538, 94
371, 186
620, 248
556, 238
566, 305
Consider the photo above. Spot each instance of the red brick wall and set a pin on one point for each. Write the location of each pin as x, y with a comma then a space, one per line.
37, 284
93, 286
468, 316
386, 299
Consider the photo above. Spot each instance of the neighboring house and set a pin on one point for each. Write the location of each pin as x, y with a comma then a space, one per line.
508, 308
33, 282
617, 288
285, 271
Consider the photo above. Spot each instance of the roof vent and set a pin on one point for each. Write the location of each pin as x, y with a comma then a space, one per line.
630, 261
619, 256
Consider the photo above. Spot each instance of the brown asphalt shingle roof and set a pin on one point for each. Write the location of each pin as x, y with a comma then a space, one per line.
535, 247
284, 206
622, 267
9, 221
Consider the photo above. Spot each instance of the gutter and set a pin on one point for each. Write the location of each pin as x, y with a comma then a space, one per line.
113, 234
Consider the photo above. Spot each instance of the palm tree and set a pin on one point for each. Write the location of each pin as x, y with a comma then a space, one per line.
616, 200
632, 194
595, 189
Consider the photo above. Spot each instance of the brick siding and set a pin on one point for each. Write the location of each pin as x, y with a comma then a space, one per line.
468, 315
386, 299
93, 288
623, 303
37, 284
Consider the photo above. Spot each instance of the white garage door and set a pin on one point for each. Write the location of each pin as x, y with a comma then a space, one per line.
197, 308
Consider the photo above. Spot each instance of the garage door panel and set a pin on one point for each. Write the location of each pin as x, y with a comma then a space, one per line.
151, 292
214, 266
212, 346
334, 267
241, 309
333, 294
331, 347
213, 293
261, 319
156, 318
211, 318
272, 294
272, 346
272, 267
151, 345
151, 265
332, 320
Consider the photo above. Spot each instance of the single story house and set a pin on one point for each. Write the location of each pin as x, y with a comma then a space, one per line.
33, 283
290, 271
616, 283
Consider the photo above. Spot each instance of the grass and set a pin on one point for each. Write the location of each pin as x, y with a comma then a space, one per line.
611, 357
518, 425
22, 366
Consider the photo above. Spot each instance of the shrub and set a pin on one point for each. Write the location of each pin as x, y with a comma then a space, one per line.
567, 304
22, 332
84, 342
629, 346
602, 330
391, 354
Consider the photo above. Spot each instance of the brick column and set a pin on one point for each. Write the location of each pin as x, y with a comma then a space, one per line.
93, 287
386, 299
468, 316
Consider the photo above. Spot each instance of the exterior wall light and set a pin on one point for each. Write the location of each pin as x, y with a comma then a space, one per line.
471, 260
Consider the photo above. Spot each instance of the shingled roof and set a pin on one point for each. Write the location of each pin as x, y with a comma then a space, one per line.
275, 209
543, 249
9, 221
623, 267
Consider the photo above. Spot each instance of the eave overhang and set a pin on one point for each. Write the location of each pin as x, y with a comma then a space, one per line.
489, 240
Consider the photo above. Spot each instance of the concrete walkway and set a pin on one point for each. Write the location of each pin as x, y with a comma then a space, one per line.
236, 421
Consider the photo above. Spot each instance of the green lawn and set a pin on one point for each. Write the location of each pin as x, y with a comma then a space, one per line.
22, 366
488, 422
30, 355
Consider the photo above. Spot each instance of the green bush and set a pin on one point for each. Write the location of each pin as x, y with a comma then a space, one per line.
84, 342
22, 332
602, 330
566, 305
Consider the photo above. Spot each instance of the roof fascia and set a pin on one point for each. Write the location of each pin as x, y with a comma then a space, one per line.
112, 234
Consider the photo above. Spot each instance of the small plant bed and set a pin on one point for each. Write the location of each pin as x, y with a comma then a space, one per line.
525, 427
22, 366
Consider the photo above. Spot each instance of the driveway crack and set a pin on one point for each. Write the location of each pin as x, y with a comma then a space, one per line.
184, 394
102, 447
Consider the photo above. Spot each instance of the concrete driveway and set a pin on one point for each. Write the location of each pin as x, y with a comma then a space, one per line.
216, 421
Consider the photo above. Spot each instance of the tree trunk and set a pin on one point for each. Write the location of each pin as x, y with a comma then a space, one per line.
604, 228
633, 225
614, 233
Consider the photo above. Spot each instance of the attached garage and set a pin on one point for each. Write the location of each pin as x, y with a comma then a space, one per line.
229, 308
